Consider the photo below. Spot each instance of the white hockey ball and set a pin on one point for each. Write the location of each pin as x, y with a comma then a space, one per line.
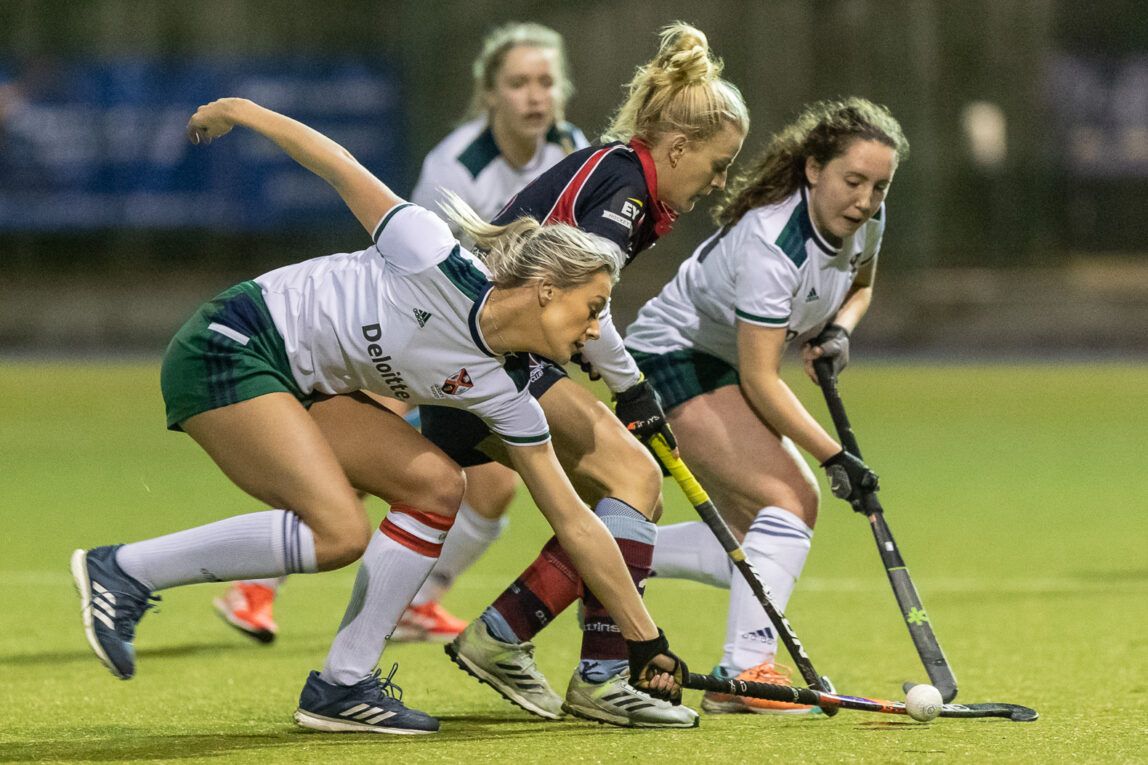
923, 702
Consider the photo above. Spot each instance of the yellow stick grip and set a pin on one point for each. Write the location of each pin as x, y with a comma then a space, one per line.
690, 486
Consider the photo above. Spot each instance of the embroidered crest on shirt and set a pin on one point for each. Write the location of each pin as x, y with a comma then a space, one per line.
422, 317
457, 383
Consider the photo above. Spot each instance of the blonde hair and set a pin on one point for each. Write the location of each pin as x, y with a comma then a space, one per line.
824, 130
680, 90
499, 42
524, 250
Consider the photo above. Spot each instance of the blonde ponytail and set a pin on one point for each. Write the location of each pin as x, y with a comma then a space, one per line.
680, 90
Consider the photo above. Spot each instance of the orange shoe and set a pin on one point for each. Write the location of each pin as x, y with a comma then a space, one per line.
766, 672
247, 608
428, 623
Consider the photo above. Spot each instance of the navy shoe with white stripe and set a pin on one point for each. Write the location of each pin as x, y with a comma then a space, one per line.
373, 705
111, 603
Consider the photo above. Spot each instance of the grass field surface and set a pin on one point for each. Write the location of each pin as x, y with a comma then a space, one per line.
1017, 494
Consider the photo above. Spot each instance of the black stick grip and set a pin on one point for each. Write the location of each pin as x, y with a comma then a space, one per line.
734, 687
828, 382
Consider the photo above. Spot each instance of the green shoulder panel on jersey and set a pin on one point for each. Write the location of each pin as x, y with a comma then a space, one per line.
463, 274
798, 230
387, 219
479, 153
518, 367
760, 319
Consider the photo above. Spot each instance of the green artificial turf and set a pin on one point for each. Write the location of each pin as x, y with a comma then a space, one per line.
1016, 493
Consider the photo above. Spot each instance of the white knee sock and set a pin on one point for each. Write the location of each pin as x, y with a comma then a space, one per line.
691, 551
397, 560
273, 584
264, 544
469, 538
777, 544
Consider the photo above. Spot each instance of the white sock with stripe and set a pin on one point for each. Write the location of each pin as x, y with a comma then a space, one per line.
398, 559
272, 584
777, 545
265, 544
469, 538
691, 551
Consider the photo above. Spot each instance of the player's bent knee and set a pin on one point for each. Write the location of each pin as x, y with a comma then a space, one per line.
656, 515
809, 500
641, 483
342, 547
490, 492
439, 490
445, 497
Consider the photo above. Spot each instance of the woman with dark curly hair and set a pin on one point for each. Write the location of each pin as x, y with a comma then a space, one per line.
795, 254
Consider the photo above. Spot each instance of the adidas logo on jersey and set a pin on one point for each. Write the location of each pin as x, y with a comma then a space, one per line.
812, 295
457, 383
422, 317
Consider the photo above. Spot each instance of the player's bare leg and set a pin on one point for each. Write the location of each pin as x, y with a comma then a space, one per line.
619, 478
403, 470
769, 497
324, 528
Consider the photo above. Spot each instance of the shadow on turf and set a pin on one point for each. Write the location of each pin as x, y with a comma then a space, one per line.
104, 745
1131, 575
85, 654
136, 744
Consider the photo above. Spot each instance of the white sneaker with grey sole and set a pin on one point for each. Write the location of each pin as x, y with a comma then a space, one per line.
616, 702
508, 668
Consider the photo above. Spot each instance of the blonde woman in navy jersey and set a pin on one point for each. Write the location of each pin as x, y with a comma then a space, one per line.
670, 143
269, 376
795, 255
514, 130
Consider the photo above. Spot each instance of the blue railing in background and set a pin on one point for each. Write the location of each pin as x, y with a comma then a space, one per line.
98, 144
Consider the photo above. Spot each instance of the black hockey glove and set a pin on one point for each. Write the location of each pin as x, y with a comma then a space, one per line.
849, 477
834, 344
640, 410
643, 669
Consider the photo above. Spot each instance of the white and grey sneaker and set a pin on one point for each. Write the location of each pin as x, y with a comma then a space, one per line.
616, 702
508, 668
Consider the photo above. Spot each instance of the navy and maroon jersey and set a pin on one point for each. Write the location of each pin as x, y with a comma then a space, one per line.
609, 190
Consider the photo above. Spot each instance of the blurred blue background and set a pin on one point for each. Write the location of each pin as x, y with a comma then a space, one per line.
1017, 227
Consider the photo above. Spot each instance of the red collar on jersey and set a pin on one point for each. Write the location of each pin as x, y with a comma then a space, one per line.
664, 215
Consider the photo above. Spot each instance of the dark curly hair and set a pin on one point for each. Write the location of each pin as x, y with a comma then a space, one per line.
824, 130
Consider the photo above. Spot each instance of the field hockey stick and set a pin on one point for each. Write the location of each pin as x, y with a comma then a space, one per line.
697, 497
936, 665
827, 701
